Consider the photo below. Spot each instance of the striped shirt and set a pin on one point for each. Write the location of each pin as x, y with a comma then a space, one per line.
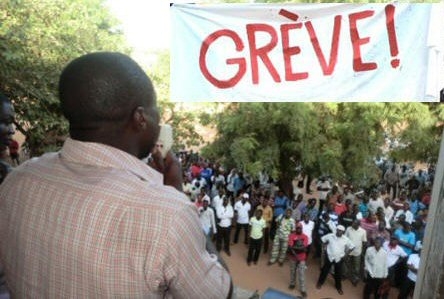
93, 221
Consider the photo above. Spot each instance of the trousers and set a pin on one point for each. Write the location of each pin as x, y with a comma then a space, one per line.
297, 268
326, 269
279, 250
254, 250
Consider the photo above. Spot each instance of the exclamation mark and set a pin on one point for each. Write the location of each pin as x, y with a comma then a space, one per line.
390, 22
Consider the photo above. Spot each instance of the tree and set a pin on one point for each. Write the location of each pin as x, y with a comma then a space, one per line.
416, 129
265, 136
183, 118
338, 139
37, 39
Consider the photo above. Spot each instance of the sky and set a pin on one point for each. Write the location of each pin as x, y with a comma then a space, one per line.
146, 23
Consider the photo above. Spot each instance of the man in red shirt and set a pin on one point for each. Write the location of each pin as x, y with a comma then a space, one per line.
297, 244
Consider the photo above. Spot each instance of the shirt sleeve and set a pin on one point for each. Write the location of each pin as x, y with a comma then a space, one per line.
412, 239
350, 244
402, 251
325, 238
410, 260
367, 262
385, 268
230, 213
213, 222
364, 237
189, 270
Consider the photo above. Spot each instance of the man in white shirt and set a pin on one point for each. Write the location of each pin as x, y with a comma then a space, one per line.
358, 236
405, 211
408, 284
225, 214
219, 198
307, 229
230, 181
196, 185
376, 268
388, 213
375, 202
394, 255
207, 219
323, 187
338, 246
242, 209
186, 186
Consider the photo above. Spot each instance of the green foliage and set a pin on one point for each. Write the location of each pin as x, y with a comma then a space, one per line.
419, 133
37, 38
183, 117
339, 139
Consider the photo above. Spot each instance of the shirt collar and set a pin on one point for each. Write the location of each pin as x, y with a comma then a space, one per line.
101, 155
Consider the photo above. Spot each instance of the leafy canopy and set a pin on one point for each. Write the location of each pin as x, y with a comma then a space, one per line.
37, 39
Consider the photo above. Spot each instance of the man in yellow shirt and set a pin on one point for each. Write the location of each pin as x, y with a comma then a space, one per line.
257, 226
267, 215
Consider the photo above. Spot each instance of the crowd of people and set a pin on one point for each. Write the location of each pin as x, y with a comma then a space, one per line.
94, 220
372, 237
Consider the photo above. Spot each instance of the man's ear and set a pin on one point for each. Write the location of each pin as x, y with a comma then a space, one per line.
139, 118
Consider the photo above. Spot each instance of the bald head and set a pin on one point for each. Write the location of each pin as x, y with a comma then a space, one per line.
108, 98
103, 87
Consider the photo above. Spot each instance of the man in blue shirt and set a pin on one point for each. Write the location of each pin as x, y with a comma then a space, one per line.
239, 183
281, 203
406, 237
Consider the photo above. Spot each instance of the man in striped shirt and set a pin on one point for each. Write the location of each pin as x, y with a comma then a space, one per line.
93, 220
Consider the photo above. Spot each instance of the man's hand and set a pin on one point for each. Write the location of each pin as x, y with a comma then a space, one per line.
169, 167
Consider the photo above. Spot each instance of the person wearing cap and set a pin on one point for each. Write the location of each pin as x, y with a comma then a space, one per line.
207, 219
257, 227
297, 247
375, 262
408, 284
241, 211
338, 246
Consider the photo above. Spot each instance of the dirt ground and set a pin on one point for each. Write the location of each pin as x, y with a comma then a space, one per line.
261, 276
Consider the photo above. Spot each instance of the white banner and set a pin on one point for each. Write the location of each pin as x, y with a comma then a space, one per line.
304, 52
